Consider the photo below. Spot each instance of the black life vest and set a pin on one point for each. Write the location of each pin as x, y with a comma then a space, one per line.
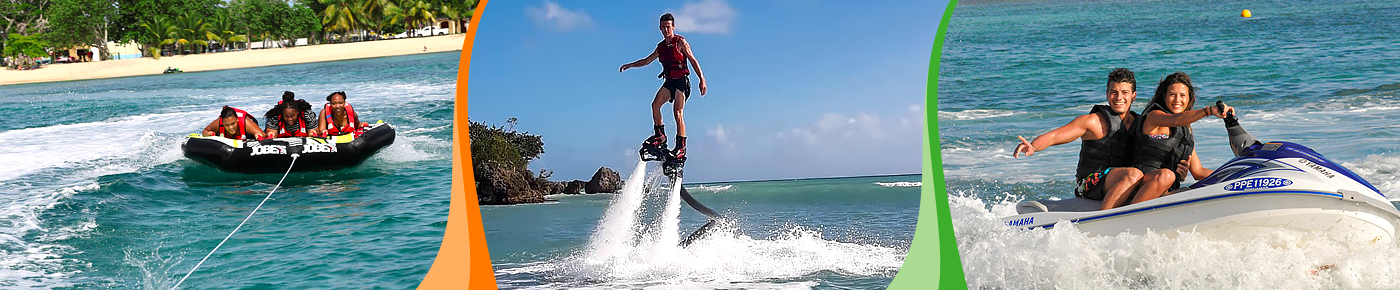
1115, 149
1151, 154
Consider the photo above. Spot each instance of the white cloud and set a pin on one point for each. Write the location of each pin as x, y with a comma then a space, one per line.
706, 16
828, 144
839, 128
556, 17
720, 136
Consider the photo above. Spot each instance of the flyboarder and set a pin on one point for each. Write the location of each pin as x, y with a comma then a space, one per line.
673, 51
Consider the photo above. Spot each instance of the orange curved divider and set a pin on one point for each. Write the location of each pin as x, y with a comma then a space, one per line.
463, 260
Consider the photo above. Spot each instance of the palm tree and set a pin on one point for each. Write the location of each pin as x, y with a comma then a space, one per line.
376, 15
222, 31
416, 12
156, 31
189, 30
339, 15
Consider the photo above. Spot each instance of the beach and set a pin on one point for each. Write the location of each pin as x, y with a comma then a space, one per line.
232, 60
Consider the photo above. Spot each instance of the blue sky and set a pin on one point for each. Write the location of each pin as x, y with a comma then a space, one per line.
797, 88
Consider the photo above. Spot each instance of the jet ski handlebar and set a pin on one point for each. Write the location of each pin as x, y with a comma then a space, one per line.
1239, 138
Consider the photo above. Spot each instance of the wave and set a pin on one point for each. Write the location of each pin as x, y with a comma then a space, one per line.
901, 184
45, 165
1380, 170
31, 150
997, 164
34, 265
711, 188
725, 257
974, 114
413, 148
996, 256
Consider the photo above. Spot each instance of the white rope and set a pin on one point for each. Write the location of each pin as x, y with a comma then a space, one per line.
240, 225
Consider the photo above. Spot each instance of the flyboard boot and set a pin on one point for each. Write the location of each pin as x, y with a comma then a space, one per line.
654, 148
675, 161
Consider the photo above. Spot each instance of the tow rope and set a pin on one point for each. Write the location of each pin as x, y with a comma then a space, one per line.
240, 225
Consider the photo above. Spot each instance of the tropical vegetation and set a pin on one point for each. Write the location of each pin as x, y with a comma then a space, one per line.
175, 27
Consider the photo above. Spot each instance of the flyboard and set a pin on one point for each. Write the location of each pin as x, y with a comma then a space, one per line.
674, 169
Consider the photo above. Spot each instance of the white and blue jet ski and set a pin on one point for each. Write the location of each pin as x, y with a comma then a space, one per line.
1265, 188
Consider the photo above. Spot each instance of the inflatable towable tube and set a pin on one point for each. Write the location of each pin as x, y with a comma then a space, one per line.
274, 155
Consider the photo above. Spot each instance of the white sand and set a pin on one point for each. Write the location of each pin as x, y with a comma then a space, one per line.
231, 60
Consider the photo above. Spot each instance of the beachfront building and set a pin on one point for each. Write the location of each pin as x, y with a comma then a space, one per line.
84, 53
128, 50
453, 26
81, 53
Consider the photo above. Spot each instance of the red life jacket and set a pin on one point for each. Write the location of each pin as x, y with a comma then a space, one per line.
672, 58
242, 120
282, 128
353, 123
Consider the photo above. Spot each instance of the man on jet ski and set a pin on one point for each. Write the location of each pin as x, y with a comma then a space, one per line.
1105, 169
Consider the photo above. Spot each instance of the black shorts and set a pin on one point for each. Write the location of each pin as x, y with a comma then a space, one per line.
1091, 187
681, 84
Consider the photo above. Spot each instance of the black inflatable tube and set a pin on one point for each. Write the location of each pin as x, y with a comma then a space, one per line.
274, 155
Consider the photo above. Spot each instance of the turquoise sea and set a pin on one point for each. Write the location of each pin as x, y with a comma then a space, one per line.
1322, 74
96, 194
830, 233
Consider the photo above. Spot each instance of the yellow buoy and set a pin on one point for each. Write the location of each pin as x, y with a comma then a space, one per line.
1245, 13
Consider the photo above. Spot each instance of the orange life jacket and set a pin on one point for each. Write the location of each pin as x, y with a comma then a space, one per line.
352, 126
282, 128
242, 120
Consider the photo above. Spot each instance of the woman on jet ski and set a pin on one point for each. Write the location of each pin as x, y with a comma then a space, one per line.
1164, 148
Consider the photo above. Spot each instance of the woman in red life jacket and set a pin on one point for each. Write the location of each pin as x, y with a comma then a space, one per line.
234, 124
291, 118
674, 52
339, 118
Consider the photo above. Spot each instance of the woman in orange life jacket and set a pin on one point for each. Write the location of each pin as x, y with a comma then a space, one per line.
339, 118
674, 52
291, 118
234, 124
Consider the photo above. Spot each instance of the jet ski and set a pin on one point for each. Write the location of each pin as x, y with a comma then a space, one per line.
1265, 188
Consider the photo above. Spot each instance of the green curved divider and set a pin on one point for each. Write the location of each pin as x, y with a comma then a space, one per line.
933, 260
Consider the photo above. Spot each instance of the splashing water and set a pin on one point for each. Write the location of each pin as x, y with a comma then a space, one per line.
634, 247
615, 234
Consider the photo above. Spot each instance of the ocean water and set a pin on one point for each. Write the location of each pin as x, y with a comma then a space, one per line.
1322, 74
96, 194
836, 233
